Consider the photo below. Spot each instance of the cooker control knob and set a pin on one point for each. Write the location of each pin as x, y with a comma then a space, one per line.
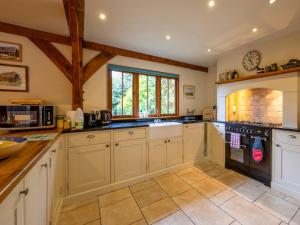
251, 131
267, 133
248, 131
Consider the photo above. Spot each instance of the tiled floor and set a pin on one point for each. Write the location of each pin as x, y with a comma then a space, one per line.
203, 195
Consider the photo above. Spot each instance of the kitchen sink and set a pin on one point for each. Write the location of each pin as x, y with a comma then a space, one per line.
165, 130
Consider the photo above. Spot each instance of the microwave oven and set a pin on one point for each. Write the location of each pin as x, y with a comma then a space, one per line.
21, 117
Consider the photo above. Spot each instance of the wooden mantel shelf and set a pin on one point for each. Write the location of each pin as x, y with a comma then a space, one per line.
260, 75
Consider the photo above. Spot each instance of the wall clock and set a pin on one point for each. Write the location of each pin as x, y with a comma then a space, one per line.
251, 60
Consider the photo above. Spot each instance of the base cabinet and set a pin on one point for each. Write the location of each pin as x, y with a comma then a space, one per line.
216, 143
89, 167
12, 208
174, 151
130, 159
286, 158
157, 155
193, 142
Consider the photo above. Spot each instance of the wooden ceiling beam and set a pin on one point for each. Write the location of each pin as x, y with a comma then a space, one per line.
142, 56
55, 56
96, 63
75, 17
32, 33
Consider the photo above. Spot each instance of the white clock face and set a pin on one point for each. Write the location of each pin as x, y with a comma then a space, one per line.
251, 60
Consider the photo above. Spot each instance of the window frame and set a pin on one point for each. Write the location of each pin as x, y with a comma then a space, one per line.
135, 95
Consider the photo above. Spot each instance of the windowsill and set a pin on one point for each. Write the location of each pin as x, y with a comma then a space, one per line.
136, 118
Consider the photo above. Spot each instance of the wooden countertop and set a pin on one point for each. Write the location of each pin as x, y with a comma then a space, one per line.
14, 168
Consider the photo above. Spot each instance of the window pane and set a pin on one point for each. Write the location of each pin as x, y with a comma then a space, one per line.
116, 93
127, 94
151, 95
143, 93
164, 96
172, 96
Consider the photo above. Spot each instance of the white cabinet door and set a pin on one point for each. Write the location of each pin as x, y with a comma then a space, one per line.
12, 208
129, 159
287, 166
157, 155
36, 199
193, 140
174, 151
89, 167
216, 143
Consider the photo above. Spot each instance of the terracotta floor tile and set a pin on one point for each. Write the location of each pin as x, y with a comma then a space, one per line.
223, 196
200, 210
177, 218
229, 180
142, 185
140, 222
149, 196
208, 187
159, 210
96, 222
192, 176
114, 196
124, 212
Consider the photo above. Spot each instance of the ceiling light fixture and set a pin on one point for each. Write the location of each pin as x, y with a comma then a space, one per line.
168, 37
272, 1
209, 50
102, 16
254, 30
211, 3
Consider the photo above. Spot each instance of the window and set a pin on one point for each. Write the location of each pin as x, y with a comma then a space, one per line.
131, 91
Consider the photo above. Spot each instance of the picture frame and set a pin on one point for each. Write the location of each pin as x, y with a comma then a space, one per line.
189, 91
10, 51
14, 78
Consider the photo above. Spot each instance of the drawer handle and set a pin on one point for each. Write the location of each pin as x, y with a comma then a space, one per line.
169, 141
130, 132
166, 141
292, 136
90, 136
187, 126
107, 146
24, 192
117, 144
44, 165
277, 145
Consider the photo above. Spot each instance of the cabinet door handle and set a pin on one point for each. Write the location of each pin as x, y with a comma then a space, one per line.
130, 132
169, 141
53, 151
187, 126
117, 144
166, 141
277, 145
107, 146
44, 165
90, 136
24, 192
292, 136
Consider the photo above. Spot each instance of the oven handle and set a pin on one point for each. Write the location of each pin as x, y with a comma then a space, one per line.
244, 146
262, 138
243, 135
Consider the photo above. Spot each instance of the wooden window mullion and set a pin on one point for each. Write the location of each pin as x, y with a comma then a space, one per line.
158, 96
135, 95
122, 94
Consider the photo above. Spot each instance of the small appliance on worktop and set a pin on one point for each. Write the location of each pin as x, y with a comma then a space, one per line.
97, 118
21, 117
248, 149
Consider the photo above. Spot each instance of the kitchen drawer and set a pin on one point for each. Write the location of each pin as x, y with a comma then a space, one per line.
89, 138
192, 125
291, 138
129, 134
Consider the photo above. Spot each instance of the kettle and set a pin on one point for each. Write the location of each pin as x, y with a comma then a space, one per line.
105, 116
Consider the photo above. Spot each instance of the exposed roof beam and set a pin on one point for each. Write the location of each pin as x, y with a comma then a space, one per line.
96, 63
27, 32
55, 56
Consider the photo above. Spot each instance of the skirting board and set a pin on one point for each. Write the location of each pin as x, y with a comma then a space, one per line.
55, 217
285, 190
89, 196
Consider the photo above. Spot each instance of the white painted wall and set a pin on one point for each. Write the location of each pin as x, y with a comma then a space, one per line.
278, 50
95, 88
45, 79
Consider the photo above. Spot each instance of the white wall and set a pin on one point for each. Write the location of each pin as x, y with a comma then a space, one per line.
278, 50
48, 83
45, 79
95, 88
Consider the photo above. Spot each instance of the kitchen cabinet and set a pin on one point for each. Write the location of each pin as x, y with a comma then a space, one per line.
157, 155
286, 158
216, 143
36, 183
12, 208
89, 167
165, 153
174, 151
193, 142
130, 159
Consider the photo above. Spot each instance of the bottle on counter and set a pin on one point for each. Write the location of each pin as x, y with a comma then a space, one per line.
67, 123
79, 119
60, 121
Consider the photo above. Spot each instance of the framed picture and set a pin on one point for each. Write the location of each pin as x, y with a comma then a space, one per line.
189, 91
13, 78
10, 51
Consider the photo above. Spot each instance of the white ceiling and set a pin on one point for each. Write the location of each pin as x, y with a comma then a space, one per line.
142, 25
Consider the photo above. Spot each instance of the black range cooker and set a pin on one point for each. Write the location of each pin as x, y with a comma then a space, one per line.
240, 158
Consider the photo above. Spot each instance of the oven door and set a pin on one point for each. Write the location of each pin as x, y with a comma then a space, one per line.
237, 158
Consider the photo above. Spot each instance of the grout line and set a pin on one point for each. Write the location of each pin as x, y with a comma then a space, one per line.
297, 211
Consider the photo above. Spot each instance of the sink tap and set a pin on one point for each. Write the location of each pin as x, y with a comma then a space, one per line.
157, 120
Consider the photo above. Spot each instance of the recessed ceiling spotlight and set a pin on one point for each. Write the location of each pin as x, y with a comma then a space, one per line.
272, 1
168, 37
102, 16
209, 50
211, 3
254, 30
